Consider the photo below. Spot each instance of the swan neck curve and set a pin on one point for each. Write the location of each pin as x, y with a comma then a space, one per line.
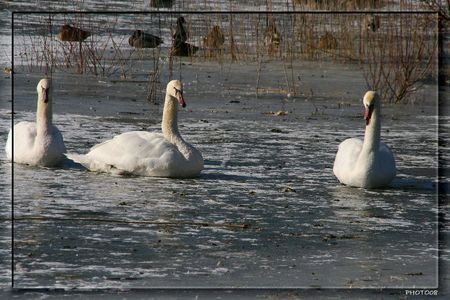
44, 115
170, 127
372, 134
170, 119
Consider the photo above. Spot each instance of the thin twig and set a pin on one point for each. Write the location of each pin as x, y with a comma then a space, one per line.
258, 77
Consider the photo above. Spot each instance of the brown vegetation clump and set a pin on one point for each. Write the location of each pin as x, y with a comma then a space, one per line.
214, 41
402, 58
371, 22
327, 42
215, 38
272, 38
340, 5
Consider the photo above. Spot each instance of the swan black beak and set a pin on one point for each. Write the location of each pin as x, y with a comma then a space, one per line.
368, 114
181, 100
45, 94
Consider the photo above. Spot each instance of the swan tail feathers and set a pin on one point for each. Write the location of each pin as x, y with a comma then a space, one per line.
78, 158
83, 160
94, 165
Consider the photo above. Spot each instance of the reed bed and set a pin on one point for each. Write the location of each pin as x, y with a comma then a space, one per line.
396, 51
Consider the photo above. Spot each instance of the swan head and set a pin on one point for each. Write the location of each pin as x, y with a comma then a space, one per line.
175, 90
371, 100
43, 90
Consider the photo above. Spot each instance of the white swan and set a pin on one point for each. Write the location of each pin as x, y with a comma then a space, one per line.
146, 153
40, 143
368, 164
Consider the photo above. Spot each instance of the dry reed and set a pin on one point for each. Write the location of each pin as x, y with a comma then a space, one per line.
395, 57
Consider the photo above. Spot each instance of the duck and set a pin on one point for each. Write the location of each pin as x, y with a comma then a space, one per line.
369, 163
179, 45
144, 153
69, 33
183, 49
180, 35
140, 39
37, 143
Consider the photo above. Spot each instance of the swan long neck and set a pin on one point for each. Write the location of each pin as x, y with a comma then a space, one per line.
170, 126
170, 120
43, 116
372, 134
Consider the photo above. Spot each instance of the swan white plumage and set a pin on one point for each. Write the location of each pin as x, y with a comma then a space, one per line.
38, 143
368, 164
146, 153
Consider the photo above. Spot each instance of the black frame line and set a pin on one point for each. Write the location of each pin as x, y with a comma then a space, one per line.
12, 151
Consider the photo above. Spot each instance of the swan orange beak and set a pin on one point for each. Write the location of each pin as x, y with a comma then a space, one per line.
368, 114
181, 100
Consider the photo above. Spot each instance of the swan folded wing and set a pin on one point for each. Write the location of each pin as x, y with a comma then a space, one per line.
47, 151
24, 137
388, 160
136, 152
347, 156
56, 141
385, 150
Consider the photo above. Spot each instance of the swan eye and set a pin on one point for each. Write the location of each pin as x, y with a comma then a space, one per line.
177, 91
369, 105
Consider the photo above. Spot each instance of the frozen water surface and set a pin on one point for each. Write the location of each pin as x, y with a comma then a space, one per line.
265, 212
